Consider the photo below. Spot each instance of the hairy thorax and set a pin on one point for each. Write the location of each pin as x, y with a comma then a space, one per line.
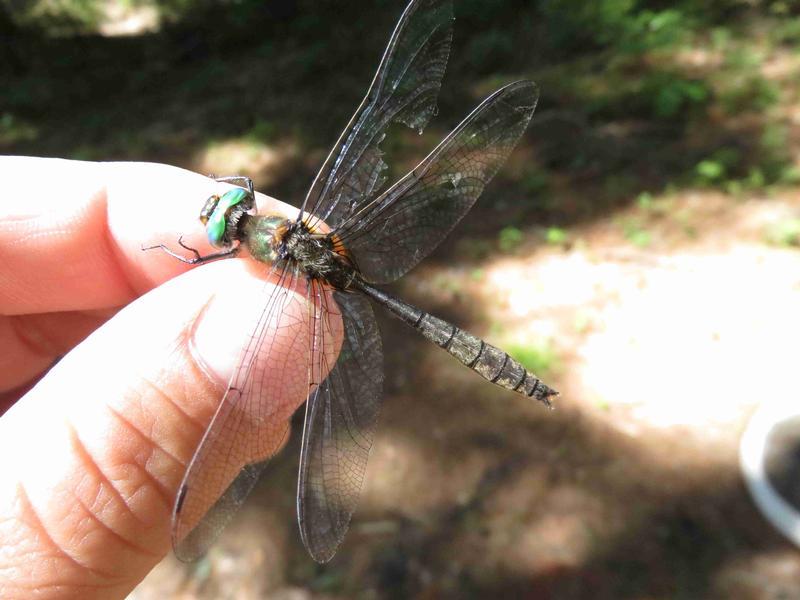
273, 239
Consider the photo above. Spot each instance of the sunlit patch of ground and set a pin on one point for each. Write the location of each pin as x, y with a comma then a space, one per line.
770, 575
244, 156
128, 18
663, 352
690, 343
692, 334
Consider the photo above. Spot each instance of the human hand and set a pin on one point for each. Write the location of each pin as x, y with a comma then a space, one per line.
94, 452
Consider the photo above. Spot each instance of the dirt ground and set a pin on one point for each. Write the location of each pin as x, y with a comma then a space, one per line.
630, 488
640, 248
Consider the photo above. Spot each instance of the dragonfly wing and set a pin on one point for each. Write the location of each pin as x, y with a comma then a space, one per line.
251, 421
340, 422
399, 228
404, 89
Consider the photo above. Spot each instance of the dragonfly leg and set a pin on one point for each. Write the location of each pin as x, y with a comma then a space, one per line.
239, 180
198, 258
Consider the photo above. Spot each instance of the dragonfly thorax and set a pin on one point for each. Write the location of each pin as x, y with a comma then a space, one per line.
264, 236
273, 238
318, 256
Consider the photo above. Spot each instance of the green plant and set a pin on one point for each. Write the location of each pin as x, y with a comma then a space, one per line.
57, 18
775, 163
710, 171
510, 238
671, 93
262, 131
784, 233
619, 185
645, 201
720, 38
474, 248
717, 167
582, 322
621, 24
477, 274
556, 236
749, 92
535, 182
790, 175
446, 283
540, 359
743, 58
648, 30
635, 233
786, 31
14, 130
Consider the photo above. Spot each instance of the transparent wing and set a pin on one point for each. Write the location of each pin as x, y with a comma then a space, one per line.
404, 89
391, 234
251, 421
340, 422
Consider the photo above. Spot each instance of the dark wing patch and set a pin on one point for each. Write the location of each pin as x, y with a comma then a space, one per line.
340, 422
405, 89
398, 229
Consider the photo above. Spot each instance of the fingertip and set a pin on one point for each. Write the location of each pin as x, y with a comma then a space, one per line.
242, 312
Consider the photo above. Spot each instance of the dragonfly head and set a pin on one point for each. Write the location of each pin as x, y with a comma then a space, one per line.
222, 215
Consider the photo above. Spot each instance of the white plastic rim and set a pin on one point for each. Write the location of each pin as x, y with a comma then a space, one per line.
752, 452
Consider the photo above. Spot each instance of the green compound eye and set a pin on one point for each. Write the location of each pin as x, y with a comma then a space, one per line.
216, 215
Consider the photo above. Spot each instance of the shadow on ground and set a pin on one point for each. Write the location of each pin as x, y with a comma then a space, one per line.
471, 492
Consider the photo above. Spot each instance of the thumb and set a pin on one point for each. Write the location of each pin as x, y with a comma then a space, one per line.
94, 453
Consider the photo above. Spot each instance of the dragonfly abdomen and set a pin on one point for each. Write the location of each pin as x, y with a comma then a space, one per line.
490, 362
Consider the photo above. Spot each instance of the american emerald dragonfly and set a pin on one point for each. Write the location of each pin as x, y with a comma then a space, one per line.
327, 276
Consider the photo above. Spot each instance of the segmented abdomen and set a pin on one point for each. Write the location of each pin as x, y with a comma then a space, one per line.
489, 362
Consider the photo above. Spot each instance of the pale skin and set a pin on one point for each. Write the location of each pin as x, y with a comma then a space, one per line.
95, 447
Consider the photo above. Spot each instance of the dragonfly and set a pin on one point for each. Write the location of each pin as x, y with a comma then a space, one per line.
349, 237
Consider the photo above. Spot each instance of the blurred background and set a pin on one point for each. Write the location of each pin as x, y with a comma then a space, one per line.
639, 251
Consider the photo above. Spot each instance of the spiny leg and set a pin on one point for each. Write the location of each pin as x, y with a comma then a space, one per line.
237, 180
198, 258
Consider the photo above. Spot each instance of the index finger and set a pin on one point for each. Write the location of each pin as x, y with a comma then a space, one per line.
72, 232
